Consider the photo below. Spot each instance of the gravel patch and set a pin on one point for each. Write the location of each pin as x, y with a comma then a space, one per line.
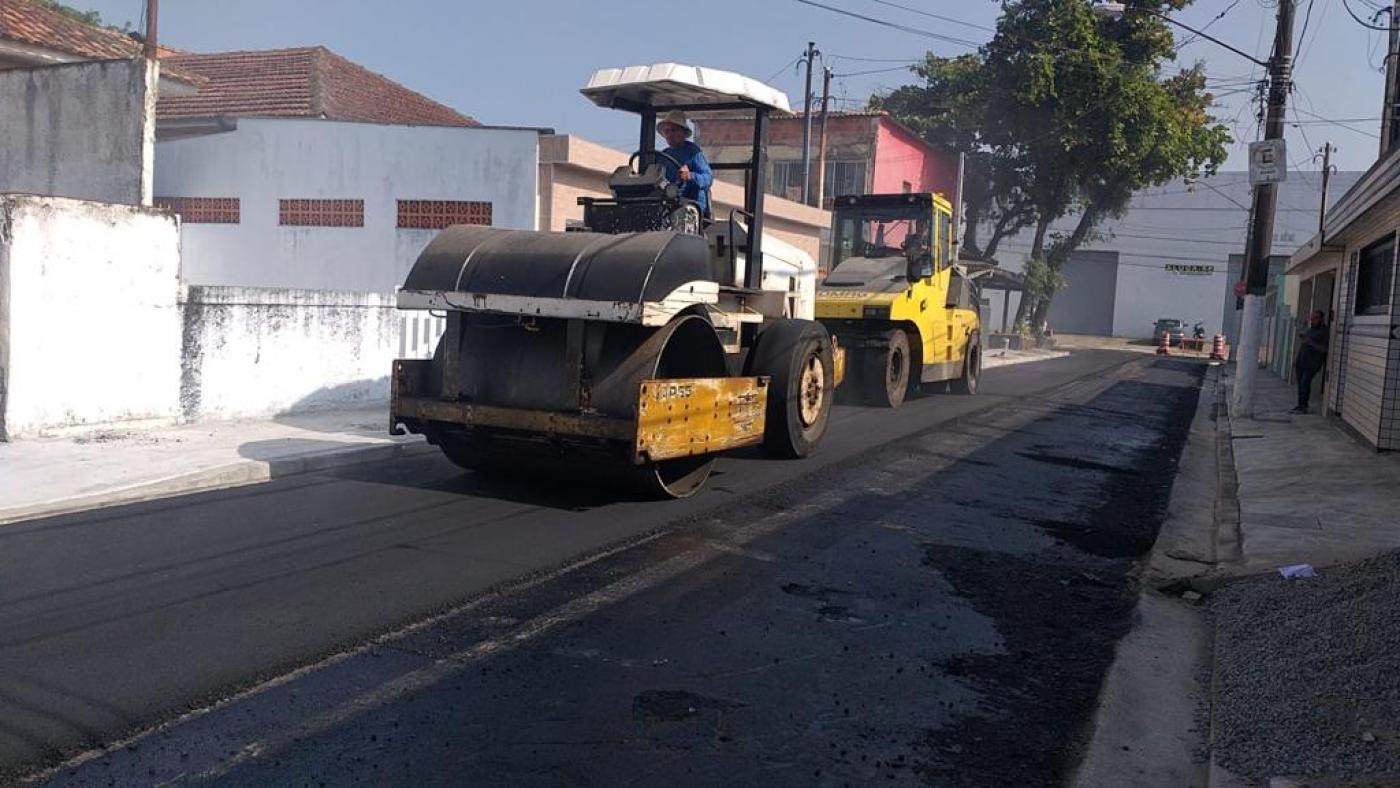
1308, 673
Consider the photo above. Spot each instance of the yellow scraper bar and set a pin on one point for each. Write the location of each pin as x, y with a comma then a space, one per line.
684, 417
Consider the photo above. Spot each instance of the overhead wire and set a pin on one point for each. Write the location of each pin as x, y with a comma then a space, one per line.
894, 25
931, 15
1364, 23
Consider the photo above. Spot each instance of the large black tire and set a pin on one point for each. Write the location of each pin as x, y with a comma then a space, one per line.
796, 356
885, 372
972, 367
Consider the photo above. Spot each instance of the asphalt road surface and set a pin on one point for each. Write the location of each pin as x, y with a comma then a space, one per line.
931, 600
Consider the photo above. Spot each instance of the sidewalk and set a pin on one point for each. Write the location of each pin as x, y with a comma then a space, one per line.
1308, 492
1234, 676
61, 475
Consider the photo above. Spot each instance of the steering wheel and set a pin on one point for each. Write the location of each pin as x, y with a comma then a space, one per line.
632, 160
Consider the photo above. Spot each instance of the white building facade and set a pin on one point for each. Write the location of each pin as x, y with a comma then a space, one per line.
1169, 256
329, 205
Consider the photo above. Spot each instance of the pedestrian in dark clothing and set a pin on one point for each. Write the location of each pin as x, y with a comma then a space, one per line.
1312, 356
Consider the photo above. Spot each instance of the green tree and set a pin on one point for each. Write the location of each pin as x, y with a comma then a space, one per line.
86, 17
1073, 113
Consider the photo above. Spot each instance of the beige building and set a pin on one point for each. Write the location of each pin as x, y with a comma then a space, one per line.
571, 167
1348, 271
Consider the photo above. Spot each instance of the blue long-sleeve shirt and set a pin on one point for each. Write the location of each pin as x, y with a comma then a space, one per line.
701, 176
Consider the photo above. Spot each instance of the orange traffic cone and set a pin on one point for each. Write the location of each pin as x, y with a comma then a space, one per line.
1164, 348
1217, 348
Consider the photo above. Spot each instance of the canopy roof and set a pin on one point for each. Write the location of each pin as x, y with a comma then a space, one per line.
666, 85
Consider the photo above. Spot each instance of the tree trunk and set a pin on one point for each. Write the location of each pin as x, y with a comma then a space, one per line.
1031, 301
972, 218
1059, 256
1042, 311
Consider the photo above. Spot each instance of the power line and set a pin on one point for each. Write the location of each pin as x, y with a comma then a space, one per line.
935, 16
1337, 123
1307, 17
1364, 23
895, 25
919, 59
1193, 39
874, 71
785, 67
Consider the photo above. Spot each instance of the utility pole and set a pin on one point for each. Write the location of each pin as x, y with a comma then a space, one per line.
152, 14
1390, 113
807, 126
821, 136
1260, 247
1326, 180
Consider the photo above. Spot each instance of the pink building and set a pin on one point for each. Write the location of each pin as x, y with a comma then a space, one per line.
866, 153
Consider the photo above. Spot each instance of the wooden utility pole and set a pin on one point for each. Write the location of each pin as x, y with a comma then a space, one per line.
821, 137
1390, 113
1256, 261
152, 14
807, 126
1326, 180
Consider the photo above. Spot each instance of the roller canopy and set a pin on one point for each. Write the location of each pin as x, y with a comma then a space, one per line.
589, 266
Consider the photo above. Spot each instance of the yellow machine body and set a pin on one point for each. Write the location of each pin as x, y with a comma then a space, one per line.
894, 269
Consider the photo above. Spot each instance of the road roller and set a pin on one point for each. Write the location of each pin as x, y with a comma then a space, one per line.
634, 348
907, 311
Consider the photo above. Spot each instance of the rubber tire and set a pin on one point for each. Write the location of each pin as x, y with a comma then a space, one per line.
781, 352
879, 387
972, 367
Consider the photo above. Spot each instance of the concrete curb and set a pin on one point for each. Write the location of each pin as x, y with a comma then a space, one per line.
234, 474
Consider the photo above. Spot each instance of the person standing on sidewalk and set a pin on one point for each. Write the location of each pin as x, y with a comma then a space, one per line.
1312, 356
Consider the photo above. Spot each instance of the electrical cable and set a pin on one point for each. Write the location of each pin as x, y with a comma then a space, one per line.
908, 67
1362, 22
935, 16
895, 25
785, 67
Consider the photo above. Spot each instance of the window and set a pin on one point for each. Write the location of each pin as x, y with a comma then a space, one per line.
842, 177
945, 240
879, 232
202, 210
437, 214
321, 213
1374, 277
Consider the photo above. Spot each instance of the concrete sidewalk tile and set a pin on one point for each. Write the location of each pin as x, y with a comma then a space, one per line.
1308, 492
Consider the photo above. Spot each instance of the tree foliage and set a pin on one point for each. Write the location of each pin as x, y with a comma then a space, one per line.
1063, 114
86, 17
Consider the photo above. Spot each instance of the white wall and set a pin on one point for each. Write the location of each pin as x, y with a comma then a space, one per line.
264, 160
89, 325
80, 130
1189, 224
256, 352
1148, 292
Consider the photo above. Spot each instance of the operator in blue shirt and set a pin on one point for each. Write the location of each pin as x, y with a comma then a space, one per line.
694, 174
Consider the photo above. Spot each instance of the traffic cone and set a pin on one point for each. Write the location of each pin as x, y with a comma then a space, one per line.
1164, 348
1217, 348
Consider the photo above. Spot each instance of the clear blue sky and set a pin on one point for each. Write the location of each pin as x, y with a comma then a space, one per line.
520, 62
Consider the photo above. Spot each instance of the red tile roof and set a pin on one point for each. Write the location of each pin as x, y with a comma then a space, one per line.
27, 22
311, 82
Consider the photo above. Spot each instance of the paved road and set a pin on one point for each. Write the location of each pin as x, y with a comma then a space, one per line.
114, 621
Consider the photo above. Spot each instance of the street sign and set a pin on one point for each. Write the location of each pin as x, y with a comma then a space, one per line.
1190, 270
1268, 162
